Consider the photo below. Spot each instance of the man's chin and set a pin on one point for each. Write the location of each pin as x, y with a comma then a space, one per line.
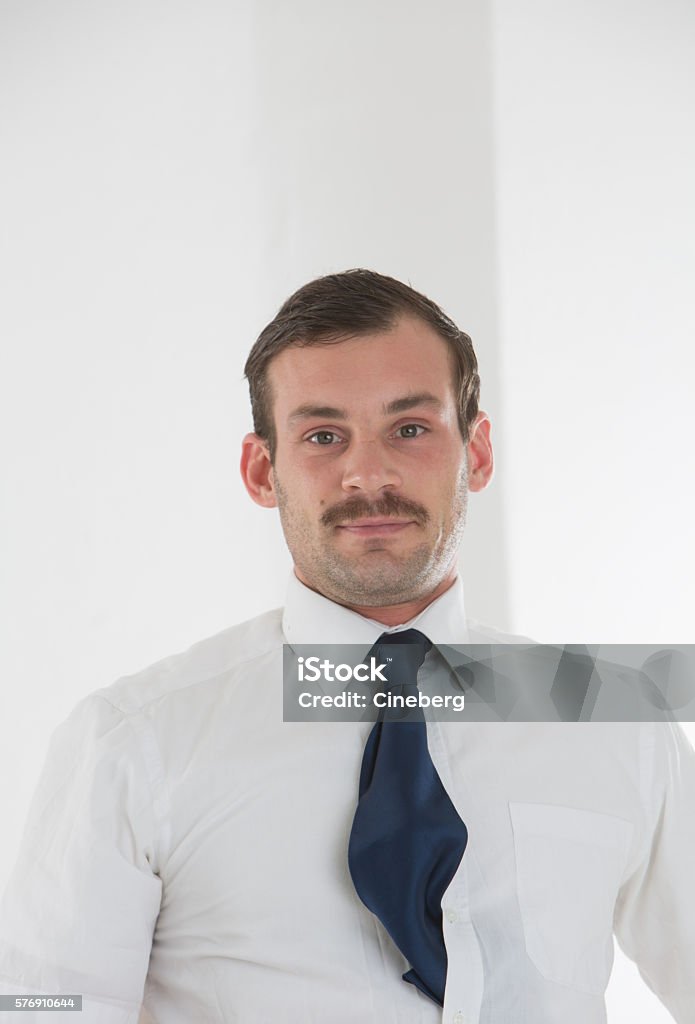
389, 583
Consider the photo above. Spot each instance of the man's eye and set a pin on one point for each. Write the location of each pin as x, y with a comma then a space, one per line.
324, 437
411, 430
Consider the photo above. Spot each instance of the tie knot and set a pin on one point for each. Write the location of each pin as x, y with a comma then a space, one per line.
403, 653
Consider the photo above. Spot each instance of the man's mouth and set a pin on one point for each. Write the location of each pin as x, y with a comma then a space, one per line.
375, 527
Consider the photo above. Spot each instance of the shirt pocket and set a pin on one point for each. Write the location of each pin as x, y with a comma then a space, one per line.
569, 866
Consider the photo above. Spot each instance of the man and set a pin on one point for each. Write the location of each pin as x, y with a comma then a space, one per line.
190, 850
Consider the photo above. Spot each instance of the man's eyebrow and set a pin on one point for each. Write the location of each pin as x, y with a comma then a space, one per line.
331, 412
411, 401
306, 412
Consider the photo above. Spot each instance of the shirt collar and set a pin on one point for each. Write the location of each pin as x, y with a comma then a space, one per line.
311, 618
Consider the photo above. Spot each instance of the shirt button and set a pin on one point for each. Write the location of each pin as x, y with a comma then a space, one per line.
452, 917
458, 1018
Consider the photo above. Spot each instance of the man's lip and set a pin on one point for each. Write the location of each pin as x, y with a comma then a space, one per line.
372, 525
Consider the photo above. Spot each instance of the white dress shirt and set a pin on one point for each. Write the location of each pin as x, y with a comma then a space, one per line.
186, 851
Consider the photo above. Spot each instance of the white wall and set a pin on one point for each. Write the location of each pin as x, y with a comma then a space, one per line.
595, 163
170, 171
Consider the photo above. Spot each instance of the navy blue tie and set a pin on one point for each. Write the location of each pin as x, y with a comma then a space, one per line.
407, 838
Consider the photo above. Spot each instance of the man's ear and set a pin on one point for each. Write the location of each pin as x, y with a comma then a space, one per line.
480, 459
257, 471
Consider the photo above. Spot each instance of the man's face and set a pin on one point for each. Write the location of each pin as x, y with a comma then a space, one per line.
370, 469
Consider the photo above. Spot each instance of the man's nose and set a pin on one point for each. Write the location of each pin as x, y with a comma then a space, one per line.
370, 467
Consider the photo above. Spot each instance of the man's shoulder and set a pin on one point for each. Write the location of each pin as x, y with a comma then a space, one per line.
213, 659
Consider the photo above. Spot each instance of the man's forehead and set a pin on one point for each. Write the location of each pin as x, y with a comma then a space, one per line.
408, 360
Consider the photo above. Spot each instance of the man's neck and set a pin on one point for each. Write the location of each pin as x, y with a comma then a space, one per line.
395, 614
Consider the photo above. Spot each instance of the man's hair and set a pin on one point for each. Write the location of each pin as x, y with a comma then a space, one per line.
334, 308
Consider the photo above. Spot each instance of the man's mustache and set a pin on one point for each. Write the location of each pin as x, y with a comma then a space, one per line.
390, 506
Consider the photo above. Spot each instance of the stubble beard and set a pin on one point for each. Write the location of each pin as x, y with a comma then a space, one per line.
378, 578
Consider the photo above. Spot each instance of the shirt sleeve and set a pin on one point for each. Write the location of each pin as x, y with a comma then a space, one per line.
655, 914
80, 908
